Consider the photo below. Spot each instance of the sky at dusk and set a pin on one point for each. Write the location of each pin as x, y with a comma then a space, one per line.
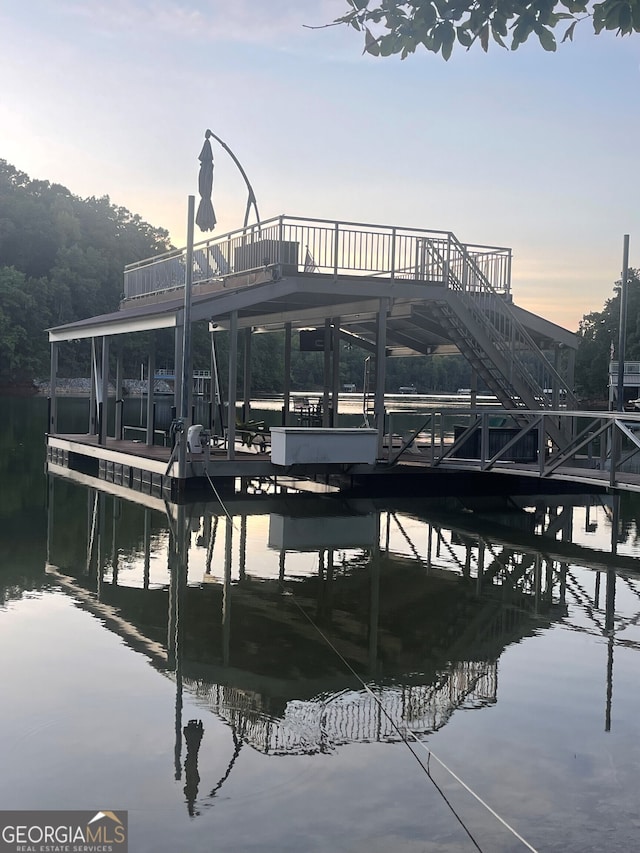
528, 149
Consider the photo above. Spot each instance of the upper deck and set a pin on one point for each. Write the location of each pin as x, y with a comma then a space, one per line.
299, 245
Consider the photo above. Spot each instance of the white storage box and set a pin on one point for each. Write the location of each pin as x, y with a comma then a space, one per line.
311, 445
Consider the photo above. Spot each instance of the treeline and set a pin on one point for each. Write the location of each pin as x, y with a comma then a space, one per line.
61, 259
599, 333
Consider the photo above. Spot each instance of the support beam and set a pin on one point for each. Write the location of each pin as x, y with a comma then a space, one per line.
119, 396
93, 392
187, 372
246, 377
105, 391
53, 391
287, 374
177, 365
335, 390
326, 373
381, 344
233, 378
151, 372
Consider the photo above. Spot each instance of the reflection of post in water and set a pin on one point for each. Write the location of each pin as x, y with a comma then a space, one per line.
374, 600
178, 567
243, 548
609, 622
92, 527
210, 533
146, 544
99, 537
114, 539
50, 497
609, 625
193, 732
226, 594
324, 602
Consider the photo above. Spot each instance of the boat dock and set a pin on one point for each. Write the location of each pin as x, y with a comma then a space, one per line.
389, 290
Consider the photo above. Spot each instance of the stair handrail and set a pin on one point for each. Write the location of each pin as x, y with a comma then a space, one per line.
521, 330
453, 282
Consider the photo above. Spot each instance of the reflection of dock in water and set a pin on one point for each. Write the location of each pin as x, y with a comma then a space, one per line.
419, 636
384, 715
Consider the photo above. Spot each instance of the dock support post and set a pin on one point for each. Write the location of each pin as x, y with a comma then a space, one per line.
119, 396
92, 392
151, 372
177, 364
287, 374
335, 391
381, 346
326, 372
105, 391
53, 402
233, 376
246, 375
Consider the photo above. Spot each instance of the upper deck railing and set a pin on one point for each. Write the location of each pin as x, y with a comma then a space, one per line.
340, 248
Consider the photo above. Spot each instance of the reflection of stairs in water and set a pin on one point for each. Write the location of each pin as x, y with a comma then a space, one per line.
351, 716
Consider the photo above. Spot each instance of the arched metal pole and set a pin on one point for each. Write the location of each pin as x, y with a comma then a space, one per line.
252, 196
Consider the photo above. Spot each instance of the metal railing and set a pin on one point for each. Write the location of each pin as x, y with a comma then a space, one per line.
529, 368
330, 247
597, 447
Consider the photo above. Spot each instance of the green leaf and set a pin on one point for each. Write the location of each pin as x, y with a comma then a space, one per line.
484, 37
569, 33
370, 44
464, 36
547, 38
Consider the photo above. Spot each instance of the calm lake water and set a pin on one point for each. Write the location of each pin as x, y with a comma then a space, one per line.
334, 654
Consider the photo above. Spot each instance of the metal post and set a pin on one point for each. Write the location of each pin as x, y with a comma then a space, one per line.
622, 331
287, 374
105, 390
381, 347
92, 392
186, 329
326, 372
231, 394
177, 364
53, 406
335, 391
246, 378
119, 396
393, 254
151, 372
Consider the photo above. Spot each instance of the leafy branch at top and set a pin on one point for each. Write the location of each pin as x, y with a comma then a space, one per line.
401, 26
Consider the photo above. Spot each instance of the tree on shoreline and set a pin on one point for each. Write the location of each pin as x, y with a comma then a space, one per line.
61, 259
598, 334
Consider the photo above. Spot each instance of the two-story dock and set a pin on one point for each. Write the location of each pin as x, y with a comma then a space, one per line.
389, 290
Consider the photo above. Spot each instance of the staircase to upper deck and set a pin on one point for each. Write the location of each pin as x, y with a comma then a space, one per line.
481, 323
